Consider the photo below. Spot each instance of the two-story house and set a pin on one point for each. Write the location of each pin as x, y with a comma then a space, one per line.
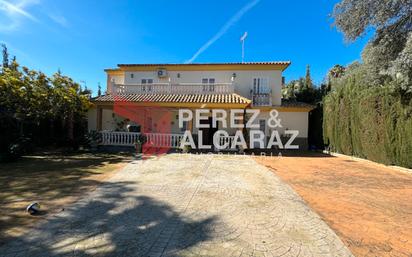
146, 98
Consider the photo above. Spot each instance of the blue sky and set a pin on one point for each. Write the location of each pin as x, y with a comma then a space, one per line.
84, 37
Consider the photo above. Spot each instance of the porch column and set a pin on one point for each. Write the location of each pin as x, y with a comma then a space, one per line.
190, 123
99, 114
242, 120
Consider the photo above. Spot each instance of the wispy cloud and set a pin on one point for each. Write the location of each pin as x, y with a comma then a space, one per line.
15, 12
59, 19
232, 21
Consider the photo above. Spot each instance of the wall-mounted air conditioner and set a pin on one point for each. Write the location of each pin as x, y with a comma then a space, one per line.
162, 73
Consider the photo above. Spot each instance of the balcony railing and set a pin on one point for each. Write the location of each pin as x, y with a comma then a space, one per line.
130, 138
160, 140
119, 138
168, 88
262, 99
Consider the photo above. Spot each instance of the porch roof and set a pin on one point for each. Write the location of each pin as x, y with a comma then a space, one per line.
227, 98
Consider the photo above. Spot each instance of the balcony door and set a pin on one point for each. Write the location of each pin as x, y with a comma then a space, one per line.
208, 84
147, 85
261, 86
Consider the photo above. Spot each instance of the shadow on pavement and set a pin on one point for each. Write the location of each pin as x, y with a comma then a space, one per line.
116, 222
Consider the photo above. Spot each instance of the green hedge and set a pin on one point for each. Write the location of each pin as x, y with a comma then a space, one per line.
369, 122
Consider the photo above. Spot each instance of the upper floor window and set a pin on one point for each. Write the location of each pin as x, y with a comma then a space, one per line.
261, 86
208, 84
147, 84
131, 75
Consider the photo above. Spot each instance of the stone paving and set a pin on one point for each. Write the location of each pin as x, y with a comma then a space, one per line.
185, 205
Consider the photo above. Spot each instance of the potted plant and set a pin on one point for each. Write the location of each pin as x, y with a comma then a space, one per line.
141, 139
185, 148
94, 138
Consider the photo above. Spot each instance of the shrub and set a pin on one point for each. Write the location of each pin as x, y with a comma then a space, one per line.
373, 122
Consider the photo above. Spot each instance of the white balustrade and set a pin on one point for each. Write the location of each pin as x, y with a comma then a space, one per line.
119, 138
181, 88
261, 99
130, 138
163, 140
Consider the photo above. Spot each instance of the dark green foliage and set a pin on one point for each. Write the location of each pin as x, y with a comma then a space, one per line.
303, 90
48, 110
5, 63
315, 132
308, 79
369, 122
368, 113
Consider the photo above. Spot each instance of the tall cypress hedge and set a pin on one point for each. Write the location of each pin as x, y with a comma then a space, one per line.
372, 122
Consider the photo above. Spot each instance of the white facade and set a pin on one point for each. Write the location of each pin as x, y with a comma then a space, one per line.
259, 82
242, 80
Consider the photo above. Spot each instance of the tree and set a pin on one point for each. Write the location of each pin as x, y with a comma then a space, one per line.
308, 79
368, 112
392, 22
5, 56
355, 17
336, 71
99, 90
34, 105
401, 68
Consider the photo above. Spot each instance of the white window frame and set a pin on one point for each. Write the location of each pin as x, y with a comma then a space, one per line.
146, 86
208, 84
261, 85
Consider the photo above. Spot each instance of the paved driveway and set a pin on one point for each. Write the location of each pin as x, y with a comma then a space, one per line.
367, 204
185, 205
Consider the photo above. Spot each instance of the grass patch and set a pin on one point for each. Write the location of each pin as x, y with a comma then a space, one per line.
51, 179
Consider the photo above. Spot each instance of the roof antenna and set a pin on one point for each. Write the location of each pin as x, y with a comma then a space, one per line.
242, 39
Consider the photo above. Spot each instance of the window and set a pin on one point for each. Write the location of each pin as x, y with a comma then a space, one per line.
147, 84
147, 81
208, 84
261, 86
131, 75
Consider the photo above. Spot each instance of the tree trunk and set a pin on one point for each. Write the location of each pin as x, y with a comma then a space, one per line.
70, 127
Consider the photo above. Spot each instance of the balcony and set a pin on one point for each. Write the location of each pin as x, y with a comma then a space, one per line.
262, 99
169, 88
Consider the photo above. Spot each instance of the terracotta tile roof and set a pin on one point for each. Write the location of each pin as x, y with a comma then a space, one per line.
175, 98
212, 63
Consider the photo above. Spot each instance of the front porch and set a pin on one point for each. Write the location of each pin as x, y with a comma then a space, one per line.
158, 140
153, 140
121, 120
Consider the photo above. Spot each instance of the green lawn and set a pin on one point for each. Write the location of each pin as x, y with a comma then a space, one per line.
52, 179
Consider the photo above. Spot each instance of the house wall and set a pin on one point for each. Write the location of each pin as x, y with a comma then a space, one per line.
110, 120
92, 119
117, 79
243, 81
289, 120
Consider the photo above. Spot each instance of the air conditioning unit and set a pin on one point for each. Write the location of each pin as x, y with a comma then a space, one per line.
162, 73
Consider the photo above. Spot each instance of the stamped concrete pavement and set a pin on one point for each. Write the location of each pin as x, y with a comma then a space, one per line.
185, 205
